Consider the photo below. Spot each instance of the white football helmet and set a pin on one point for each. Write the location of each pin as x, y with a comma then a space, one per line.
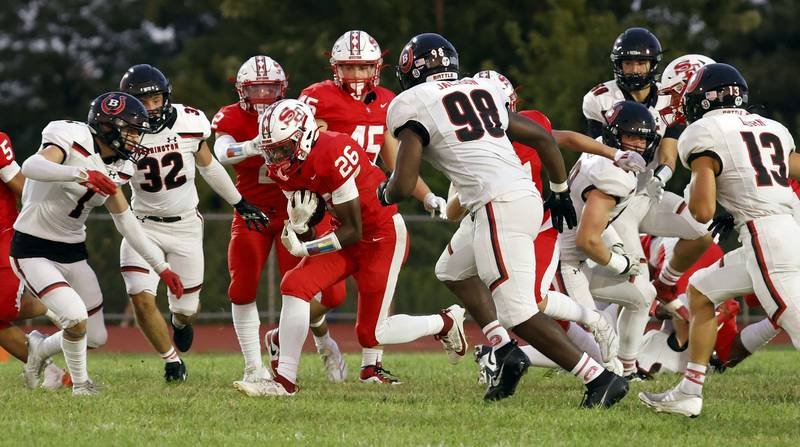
286, 132
260, 82
356, 48
673, 82
508, 88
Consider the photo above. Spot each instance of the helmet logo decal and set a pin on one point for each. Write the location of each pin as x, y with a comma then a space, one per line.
355, 43
113, 105
611, 115
406, 59
695, 80
261, 66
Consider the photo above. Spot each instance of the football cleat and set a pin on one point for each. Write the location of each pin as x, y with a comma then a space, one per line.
674, 401
513, 364
54, 377
175, 371
376, 374
32, 370
455, 340
267, 388
182, 337
639, 375
333, 360
605, 391
273, 349
606, 337
255, 374
87, 388
487, 364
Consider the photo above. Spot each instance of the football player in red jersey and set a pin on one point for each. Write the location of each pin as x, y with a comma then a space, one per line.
354, 104
260, 81
15, 302
369, 242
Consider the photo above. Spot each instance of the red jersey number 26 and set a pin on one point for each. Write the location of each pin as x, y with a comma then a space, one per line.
347, 161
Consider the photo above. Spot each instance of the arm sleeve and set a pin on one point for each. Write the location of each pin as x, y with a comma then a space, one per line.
131, 230
39, 168
230, 151
218, 179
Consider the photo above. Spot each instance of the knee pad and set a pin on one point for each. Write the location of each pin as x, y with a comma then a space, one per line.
67, 306
96, 333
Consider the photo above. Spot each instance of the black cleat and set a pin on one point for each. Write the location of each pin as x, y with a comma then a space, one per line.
182, 337
175, 371
605, 391
716, 365
640, 375
512, 364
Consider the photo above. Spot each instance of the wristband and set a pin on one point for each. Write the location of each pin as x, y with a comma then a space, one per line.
326, 244
558, 187
663, 172
617, 263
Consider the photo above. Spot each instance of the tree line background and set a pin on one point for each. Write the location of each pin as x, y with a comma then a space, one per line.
57, 55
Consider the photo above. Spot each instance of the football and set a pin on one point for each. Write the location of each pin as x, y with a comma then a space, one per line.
319, 213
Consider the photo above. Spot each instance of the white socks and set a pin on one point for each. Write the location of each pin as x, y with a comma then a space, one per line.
170, 356
51, 345
668, 275
75, 355
587, 369
758, 334
247, 324
293, 331
693, 379
537, 358
496, 334
371, 356
405, 328
562, 307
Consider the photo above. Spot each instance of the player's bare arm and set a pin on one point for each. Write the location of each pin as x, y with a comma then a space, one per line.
406, 173
422, 191
349, 214
703, 188
794, 165
577, 142
321, 124
594, 220
529, 133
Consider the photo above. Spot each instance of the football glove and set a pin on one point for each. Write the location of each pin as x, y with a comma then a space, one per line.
721, 225
252, 215
99, 183
657, 183
292, 243
434, 204
173, 282
301, 207
630, 161
561, 210
631, 265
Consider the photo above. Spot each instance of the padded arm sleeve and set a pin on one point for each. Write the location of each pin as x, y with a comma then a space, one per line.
218, 179
39, 168
130, 229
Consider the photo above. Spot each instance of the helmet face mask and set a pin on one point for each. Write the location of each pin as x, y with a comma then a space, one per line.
260, 82
427, 57
629, 119
145, 81
120, 121
351, 49
635, 44
287, 132
674, 81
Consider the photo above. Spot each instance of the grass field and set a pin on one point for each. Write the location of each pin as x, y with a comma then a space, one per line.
757, 404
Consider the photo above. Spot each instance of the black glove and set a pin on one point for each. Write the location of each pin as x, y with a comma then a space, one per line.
722, 225
561, 210
252, 215
382, 193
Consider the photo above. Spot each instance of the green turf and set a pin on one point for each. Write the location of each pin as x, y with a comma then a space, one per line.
756, 404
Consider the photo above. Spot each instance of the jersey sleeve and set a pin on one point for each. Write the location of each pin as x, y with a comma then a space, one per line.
696, 141
57, 133
340, 163
192, 123
315, 97
219, 123
609, 179
6, 150
592, 109
403, 114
